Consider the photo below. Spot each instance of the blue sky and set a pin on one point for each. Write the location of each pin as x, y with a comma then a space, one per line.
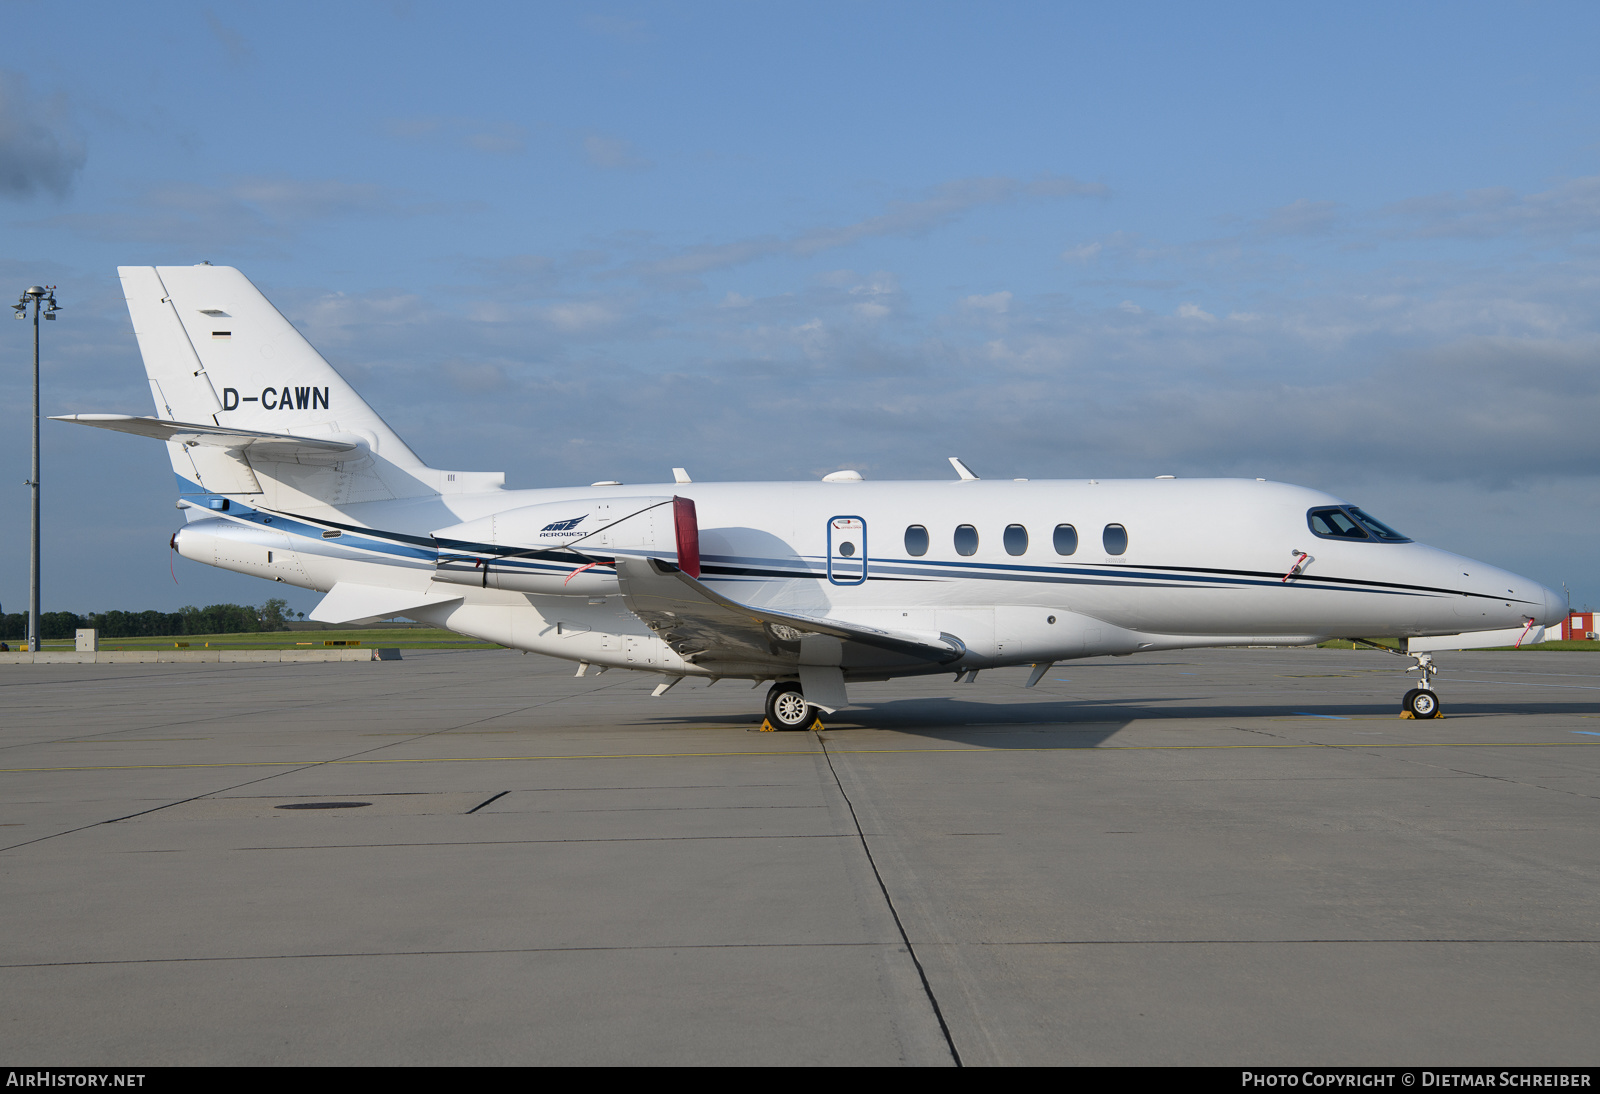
1355, 247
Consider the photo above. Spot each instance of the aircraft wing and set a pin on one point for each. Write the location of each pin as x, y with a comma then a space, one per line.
268, 445
708, 629
351, 602
1479, 640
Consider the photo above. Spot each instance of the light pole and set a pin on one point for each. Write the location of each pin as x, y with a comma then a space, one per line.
43, 299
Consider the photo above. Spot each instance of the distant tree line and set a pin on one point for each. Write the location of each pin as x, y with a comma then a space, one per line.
212, 619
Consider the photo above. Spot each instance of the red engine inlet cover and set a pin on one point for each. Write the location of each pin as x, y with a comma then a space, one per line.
688, 535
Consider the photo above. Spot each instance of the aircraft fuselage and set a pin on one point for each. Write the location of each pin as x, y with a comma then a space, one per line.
1019, 572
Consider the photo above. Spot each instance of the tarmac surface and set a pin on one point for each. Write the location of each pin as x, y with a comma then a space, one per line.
1238, 857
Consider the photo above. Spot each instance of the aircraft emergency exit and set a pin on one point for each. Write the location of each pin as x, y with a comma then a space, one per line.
284, 472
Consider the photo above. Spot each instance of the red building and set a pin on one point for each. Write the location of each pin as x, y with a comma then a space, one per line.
1579, 625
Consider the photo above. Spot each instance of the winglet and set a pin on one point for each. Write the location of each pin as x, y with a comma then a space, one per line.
963, 470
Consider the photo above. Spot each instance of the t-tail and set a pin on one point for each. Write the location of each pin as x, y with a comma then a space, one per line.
249, 410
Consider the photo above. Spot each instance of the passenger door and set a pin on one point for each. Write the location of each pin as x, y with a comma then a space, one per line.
847, 550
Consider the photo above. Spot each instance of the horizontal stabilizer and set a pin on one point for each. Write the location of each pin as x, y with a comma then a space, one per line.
348, 602
1477, 640
268, 446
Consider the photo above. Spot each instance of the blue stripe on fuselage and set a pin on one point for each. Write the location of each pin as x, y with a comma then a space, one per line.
741, 568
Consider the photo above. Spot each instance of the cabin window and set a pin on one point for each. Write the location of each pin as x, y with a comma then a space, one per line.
1016, 539
332, 533
1066, 539
966, 540
1115, 539
916, 541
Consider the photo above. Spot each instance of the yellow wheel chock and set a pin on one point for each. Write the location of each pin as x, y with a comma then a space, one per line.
815, 727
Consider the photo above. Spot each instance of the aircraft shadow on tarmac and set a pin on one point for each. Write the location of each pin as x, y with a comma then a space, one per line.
1087, 722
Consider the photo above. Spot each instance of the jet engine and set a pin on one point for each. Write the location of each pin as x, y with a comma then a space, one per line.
567, 548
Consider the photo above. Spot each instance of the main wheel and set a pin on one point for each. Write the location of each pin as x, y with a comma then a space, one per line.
1421, 704
787, 707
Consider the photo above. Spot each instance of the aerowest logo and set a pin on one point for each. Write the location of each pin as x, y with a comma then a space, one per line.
563, 527
279, 398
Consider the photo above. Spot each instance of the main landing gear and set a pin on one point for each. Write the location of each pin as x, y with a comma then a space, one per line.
1421, 701
787, 707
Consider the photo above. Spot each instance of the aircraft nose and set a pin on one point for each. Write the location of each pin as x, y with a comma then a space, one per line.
1555, 607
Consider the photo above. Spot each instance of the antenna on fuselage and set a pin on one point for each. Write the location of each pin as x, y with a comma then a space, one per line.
962, 469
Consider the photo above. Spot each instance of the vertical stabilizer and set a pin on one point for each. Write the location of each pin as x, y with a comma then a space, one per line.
217, 351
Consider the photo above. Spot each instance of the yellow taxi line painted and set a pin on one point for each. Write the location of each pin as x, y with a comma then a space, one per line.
796, 752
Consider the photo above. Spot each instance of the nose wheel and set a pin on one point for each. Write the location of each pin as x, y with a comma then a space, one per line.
1420, 704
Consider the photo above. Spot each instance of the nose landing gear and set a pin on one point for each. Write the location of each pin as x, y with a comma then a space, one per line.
1421, 701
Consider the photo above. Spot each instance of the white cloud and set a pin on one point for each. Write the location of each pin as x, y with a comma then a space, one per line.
997, 303
612, 154
1300, 218
244, 210
38, 150
479, 134
580, 316
943, 205
882, 283
238, 48
1572, 208
1193, 311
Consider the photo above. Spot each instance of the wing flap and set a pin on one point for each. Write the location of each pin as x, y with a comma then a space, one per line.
705, 627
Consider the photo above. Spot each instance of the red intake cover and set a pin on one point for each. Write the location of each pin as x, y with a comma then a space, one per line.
688, 535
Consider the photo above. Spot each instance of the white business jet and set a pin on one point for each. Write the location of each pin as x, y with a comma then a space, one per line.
284, 472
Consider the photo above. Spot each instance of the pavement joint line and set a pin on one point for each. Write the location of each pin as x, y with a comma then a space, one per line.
895, 944
520, 842
796, 752
1282, 942
488, 951
894, 913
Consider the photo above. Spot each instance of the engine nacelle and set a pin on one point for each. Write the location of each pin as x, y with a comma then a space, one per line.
567, 548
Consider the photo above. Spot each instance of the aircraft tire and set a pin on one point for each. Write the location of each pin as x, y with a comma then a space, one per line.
1421, 704
787, 707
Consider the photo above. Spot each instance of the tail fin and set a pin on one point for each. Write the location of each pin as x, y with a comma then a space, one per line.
218, 352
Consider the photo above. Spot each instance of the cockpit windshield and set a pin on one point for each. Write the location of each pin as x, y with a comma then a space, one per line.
1378, 529
1349, 522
